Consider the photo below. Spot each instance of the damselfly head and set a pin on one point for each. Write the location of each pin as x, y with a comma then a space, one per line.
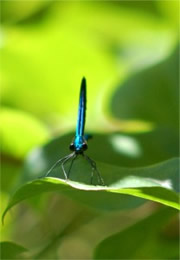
79, 145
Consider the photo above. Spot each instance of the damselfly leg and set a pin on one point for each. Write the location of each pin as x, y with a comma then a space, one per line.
74, 157
62, 161
94, 169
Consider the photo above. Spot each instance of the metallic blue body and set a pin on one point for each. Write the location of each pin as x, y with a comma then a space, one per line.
82, 110
79, 139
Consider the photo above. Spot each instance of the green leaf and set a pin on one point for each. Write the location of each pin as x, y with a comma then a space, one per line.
150, 238
155, 183
117, 149
151, 95
10, 250
20, 132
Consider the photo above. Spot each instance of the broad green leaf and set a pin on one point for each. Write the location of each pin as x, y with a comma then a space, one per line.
157, 183
150, 238
102, 148
151, 95
10, 250
20, 132
133, 150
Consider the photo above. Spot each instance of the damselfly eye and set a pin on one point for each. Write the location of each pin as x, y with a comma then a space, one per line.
85, 146
72, 147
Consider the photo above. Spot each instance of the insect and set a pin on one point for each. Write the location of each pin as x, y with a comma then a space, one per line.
79, 144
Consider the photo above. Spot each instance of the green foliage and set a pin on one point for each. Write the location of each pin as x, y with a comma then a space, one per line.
128, 53
147, 239
11, 250
103, 35
150, 183
17, 11
152, 95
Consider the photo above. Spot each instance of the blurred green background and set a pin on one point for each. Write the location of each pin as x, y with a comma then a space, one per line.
128, 51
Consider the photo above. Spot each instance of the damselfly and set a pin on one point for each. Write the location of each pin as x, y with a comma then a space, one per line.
79, 144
